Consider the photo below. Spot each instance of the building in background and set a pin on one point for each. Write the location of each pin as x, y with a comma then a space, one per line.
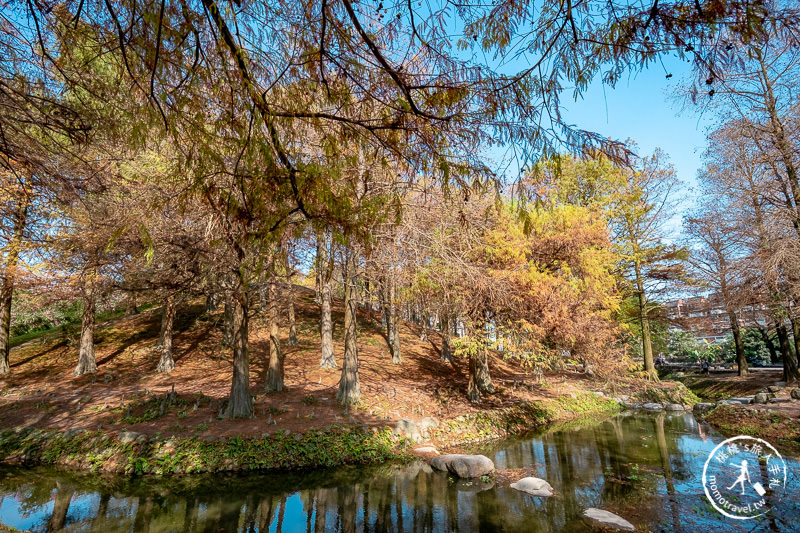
707, 319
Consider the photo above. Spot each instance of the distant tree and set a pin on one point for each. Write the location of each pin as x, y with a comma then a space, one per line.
637, 202
737, 176
718, 258
324, 266
640, 230
16, 199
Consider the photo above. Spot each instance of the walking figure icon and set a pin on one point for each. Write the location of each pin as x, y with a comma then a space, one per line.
744, 474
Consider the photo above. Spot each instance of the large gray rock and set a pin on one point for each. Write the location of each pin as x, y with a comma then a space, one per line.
534, 486
763, 397
408, 429
744, 400
127, 437
608, 519
674, 407
703, 407
427, 423
416, 431
653, 407
422, 450
465, 466
795, 394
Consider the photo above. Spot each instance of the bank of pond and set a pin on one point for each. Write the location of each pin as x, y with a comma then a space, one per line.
645, 467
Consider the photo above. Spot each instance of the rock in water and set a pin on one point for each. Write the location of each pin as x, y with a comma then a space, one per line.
744, 400
674, 407
608, 519
653, 407
534, 486
703, 407
465, 466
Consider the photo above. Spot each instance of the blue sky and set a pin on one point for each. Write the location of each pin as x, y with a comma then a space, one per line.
643, 107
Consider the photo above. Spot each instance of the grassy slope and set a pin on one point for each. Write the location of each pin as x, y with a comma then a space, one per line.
127, 394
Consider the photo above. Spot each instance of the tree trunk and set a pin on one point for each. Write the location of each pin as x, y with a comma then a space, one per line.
447, 344
790, 372
86, 360
796, 336
321, 266
292, 322
781, 140
389, 317
393, 323
349, 389
212, 299
383, 301
479, 379
274, 381
58, 517
741, 361
227, 322
7, 289
130, 305
773, 353
212, 293
6, 295
166, 363
240, 403
324, 266
96, 523
647, 345
397, 358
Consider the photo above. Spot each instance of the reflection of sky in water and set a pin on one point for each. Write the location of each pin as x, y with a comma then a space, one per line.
618, 465
11, 514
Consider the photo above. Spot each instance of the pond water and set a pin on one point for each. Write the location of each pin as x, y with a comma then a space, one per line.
646, 468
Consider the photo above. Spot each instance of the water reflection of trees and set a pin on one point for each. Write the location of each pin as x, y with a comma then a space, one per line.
619, 465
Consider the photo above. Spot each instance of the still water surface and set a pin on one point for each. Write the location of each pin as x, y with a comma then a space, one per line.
646, 468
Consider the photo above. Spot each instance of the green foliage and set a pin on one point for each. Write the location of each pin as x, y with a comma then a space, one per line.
151, 409
677, 393
685, 346
628, 315
755, 349
29, 318
309, 400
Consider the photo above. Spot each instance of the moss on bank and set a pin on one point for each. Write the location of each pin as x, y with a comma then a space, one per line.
770, 425
719, 389
135, 454
676, 393
523, 418
138, 455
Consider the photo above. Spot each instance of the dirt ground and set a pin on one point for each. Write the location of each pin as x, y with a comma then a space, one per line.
127, 393
723, 385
